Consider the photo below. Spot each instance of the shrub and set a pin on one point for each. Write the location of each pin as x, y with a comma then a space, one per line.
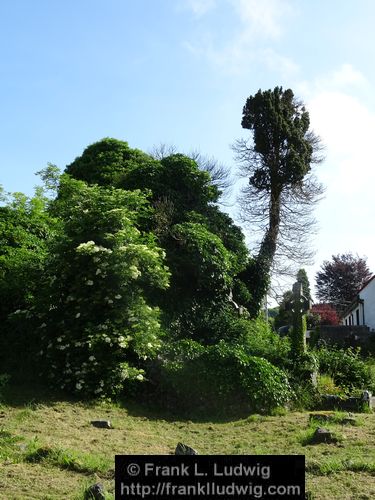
258, 339
223, 377
326, 385
96, 324
346, 368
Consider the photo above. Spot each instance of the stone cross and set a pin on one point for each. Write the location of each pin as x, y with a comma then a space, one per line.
299, 306
300, 303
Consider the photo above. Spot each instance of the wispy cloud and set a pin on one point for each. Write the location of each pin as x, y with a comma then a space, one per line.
259, 23
341, 116
262, 18
200, 7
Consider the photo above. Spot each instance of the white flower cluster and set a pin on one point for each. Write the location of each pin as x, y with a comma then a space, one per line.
90, 248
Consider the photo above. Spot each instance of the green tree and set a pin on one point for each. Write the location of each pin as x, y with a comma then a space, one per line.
96, 322
281, 191
205, 251
303, 278
25, 228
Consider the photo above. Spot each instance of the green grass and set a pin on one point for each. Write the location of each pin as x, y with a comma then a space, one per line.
49, 449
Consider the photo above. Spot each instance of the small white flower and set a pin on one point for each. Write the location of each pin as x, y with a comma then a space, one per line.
92, 358
149, 344
118, 296
89, 282
43, 325
59, 339
101, 383
41, 353
18, 311
110, 301
78, 315
98, 390
78, 386
140, 377
107, 339
98, 271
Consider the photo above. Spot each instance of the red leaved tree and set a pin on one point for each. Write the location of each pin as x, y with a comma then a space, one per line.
327, 313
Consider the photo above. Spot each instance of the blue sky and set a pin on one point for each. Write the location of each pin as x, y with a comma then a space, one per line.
179, 72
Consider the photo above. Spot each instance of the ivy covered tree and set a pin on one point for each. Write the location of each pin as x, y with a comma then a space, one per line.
205, 251
96, 321
281, 191
340, 279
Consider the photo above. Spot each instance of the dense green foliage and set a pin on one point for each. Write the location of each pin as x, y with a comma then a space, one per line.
199, 379
25, 227
205, 251
132, 273
346, 368
96, 324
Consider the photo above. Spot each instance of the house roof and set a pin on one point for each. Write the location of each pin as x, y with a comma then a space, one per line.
367, 282
357, 300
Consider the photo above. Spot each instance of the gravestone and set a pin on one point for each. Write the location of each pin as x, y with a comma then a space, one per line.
101, 424
183, 449
322, 435
95, 492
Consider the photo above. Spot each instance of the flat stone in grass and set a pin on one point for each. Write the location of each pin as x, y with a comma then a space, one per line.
183, 449
101, 424
332, 418
321, 417
322, 435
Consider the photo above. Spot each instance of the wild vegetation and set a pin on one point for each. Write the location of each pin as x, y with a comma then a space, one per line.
122, 280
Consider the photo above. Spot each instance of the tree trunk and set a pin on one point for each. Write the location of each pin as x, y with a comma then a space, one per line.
266, 254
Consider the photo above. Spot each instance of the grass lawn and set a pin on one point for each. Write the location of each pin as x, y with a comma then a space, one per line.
49, 449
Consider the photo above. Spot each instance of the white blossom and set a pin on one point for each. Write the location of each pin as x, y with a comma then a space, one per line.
118, 296
89, 282
78, 315
92, 358
139, 377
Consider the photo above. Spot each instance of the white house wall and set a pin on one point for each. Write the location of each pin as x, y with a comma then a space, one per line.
368, 295
354, 318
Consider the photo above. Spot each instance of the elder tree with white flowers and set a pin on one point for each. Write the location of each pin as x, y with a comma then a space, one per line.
100, 323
